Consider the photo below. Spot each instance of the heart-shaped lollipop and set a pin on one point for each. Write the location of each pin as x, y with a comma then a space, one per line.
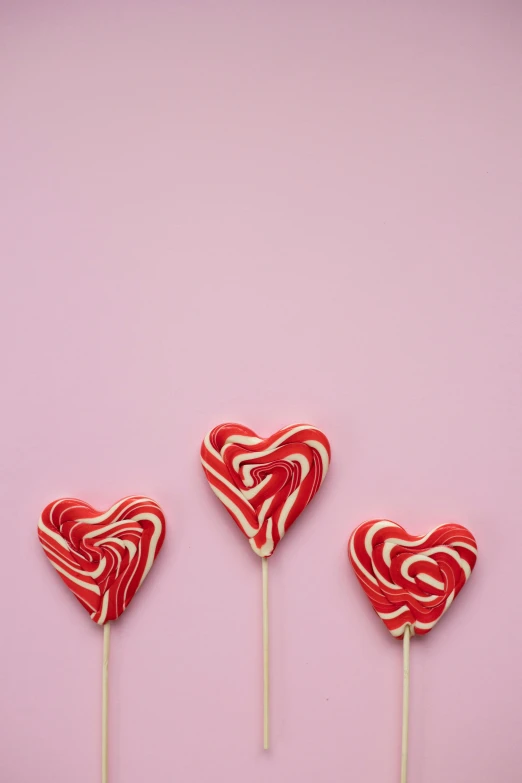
265, 483
103, 557
411, 580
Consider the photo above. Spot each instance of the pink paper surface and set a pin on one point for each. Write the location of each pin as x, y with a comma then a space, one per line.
264, 212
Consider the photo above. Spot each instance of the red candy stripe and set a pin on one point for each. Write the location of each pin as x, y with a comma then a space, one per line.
265, 483
411, 580
103, 557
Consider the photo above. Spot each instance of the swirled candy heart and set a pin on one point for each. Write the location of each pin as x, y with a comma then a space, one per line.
265, 483
411, 580
102, 556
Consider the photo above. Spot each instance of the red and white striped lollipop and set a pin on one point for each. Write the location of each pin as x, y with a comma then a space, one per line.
411, 582
265, 483
103, 557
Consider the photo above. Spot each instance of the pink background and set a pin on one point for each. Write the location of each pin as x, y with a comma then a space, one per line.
267, 212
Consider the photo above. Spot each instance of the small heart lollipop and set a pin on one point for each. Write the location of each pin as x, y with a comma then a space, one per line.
265, 483
103, 557
411, 582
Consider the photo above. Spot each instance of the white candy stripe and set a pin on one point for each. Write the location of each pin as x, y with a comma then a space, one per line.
285, 437
267, 548
239, 458
251, 493
118, 523
153, 541
419, 558
223, 480
325, 461
368, 540
69, 564
211, 449
392, 542
393, 615
245, 524
131, 577
299, 458
53, 534
246, 440
463, 545
242, 440
86, 585
99, 571
105, 605
119, 542
398, 632
431, 581
427, 626
66, 508
303, 462
452, 553
386, 553
358, 563
404, 569
264, 509
117, 558
293, 431
289, 502
130, 503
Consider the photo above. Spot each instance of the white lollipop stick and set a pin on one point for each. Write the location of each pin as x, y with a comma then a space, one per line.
405, 702
264, 561
105, 698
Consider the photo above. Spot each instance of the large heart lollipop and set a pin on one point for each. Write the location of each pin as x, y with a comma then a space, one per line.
103, 557
411, 581
265, 483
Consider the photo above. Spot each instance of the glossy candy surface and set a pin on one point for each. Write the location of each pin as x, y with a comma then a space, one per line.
102, 556
265, 483
411, 579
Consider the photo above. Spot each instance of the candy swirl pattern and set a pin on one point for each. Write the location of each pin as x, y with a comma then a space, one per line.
411, 580
265, 483
102, 556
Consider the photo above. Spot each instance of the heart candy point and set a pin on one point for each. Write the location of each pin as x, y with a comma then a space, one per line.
265, 483
102, 556
411, 580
